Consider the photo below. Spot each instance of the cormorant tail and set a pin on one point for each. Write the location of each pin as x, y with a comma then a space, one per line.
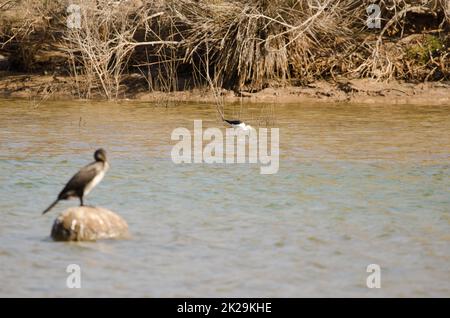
51, 206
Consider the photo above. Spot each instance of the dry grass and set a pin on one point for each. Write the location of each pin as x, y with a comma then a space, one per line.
244, 45
253, 44
103, 45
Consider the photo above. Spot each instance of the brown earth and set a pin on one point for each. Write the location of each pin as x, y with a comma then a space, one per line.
361, 91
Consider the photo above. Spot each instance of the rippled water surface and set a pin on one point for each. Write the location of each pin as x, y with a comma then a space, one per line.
357, 185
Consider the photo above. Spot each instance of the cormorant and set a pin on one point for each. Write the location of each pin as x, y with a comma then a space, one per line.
84, 180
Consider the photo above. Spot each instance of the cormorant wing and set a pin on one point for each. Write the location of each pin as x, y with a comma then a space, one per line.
79, 181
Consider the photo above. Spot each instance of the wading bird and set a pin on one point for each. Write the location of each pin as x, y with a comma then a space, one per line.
238, 124
84, 180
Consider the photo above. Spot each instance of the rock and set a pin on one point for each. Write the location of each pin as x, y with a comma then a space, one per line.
86, 223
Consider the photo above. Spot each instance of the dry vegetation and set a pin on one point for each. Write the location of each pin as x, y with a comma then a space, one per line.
241, 45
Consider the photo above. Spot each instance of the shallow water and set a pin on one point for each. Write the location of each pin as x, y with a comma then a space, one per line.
357, 185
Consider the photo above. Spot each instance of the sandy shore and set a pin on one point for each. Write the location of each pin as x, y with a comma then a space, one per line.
360, 91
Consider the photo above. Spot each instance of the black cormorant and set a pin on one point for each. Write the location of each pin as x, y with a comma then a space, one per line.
84, 180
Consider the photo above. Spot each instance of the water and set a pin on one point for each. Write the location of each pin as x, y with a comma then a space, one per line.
357, 185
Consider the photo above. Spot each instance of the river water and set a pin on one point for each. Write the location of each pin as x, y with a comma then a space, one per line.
356, 185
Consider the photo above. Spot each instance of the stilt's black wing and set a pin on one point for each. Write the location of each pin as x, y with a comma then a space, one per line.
233, 122
78, 182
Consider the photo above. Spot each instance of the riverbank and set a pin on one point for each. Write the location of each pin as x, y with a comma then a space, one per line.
360, 91
260, 50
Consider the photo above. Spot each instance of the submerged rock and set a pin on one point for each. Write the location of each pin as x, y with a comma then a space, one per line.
86, 223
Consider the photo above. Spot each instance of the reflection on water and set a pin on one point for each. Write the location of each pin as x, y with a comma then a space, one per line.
357, 185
